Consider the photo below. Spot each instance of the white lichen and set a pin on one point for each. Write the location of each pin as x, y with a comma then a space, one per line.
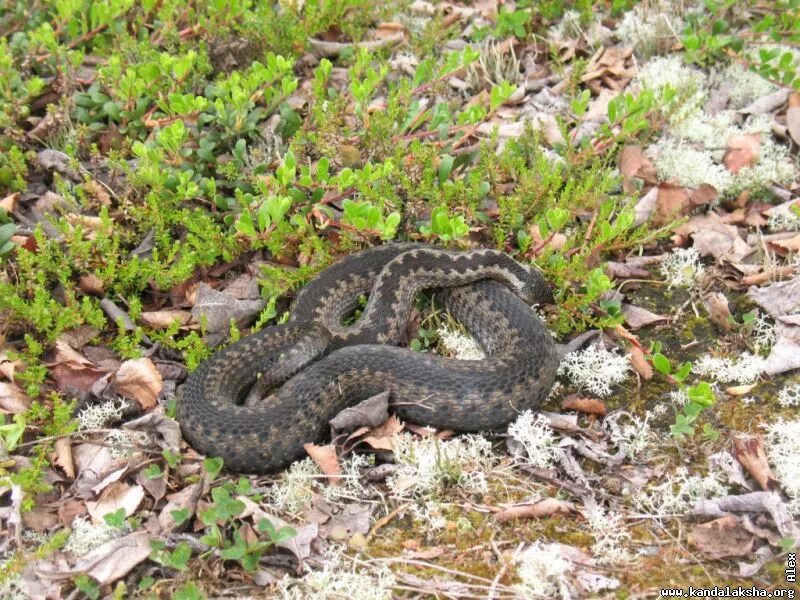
462, 346
789, 395
680, 163
745, 85
744, 369
98, 416
428, 464
682, 268
595, 369
650, 27
536, 437
86, 536
678, 492
610, 536
631, 434
339, 580
783, 451
541, 569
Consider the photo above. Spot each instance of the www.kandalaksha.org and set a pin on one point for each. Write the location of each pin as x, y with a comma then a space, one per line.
730, 592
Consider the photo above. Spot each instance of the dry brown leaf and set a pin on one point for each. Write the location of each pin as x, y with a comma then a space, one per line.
69, 509
766, 104
636, 316
39, 520
722, 538
369, 413
183, 499
778, 299
161, 319
12, 399
787, 246
326, 459
646, 206
639, 363
70, 368
672, 201
139, 380
785, 353
704, 194
590, 406
91, 284
547, 507
749, 451
118, 495
793, 117
740, 390
382, 437
113, 560
9, 203
718, 310
619, 270
219, 308
711, 236
742, 151
7, 366
63, 452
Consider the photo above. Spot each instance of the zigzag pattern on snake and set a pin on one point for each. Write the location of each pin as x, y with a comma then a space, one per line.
326, 366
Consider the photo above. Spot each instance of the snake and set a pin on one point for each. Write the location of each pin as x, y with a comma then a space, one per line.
322, 364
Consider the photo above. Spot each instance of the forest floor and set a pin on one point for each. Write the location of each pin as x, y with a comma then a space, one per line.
173, 172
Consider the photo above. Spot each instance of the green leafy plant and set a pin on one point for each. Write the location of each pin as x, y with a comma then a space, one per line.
444, 226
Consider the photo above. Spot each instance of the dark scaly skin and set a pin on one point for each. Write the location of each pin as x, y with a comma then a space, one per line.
350, 364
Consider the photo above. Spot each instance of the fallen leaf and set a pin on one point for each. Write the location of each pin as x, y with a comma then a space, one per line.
793, 118
639, 363
63, 452
547, 507
781, 298
139, 380
785, 353
39, 520
91, 284
218, 308
299, 545
740, 390
741, 151
12, 399
646, 206
118, 495
326, 459
637, 317
111, 561
164, 432
672, 201
382, 437
72, 369
161, 319
718, 310
619, 270
591, 406
722, 538
368, 413
69, 509
749, 451
185, 499
766, 104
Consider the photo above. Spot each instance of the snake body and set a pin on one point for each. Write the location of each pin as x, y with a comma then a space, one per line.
326, 366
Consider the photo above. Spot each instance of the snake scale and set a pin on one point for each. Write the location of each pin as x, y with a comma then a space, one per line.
326, 366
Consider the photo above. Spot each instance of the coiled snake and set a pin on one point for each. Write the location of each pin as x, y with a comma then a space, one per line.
326, 366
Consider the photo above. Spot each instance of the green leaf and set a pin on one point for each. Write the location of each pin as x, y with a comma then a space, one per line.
445, 168
683, 426
212, 466
662, 364
180, 516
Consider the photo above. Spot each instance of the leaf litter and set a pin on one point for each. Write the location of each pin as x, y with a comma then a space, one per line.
100, 473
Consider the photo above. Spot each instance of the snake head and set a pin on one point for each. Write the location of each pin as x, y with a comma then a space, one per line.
535, 289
